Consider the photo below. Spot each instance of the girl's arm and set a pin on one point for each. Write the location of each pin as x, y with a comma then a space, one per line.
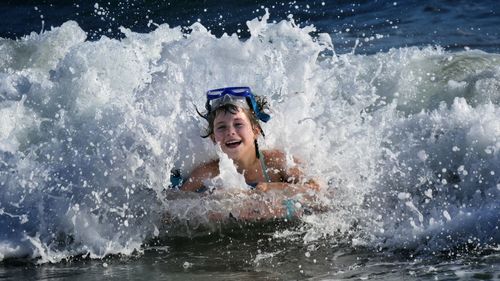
292, 187
290, 178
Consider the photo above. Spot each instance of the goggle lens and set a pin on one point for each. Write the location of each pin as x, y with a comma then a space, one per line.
241, 96
233, 91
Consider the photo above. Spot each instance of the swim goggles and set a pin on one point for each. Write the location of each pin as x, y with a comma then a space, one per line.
239, 96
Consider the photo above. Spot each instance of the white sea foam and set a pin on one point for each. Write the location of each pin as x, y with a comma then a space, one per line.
408, 139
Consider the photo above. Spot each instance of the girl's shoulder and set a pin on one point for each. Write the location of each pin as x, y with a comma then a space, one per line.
274, 158
287, 165
273, 153
279, 156
206, 170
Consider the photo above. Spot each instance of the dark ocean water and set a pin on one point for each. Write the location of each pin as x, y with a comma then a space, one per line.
397, 104
453, 24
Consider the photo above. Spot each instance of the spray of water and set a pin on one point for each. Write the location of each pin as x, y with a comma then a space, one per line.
406, 141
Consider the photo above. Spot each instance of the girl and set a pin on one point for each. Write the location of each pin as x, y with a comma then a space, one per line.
233, 116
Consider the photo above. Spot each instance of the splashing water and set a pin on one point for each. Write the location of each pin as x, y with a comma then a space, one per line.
408, 140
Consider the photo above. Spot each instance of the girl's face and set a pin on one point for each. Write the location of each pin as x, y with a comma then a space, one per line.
235, 134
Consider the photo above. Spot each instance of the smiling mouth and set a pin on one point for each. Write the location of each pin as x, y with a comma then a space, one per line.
232, 144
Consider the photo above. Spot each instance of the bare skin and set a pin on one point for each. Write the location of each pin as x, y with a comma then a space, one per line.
236, 135
280, 176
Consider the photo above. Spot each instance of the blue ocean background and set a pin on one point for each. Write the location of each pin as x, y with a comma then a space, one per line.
451, 24
393, 105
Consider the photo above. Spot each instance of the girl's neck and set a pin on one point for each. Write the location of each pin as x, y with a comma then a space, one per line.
250, 169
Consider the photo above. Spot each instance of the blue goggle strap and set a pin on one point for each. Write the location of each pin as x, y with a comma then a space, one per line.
264, 117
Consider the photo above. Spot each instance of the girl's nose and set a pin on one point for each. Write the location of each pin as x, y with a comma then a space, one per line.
231, 130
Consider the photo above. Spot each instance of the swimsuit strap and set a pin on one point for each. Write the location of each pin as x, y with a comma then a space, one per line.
260, 156
264, 167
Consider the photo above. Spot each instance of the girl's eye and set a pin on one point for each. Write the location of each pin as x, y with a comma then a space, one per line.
238, 125
220, 128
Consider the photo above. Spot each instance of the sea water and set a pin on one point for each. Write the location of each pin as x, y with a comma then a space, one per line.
405, 140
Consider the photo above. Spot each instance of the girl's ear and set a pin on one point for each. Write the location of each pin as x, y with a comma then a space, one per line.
256, 131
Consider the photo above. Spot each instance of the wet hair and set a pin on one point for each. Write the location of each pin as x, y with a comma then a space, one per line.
233, 109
